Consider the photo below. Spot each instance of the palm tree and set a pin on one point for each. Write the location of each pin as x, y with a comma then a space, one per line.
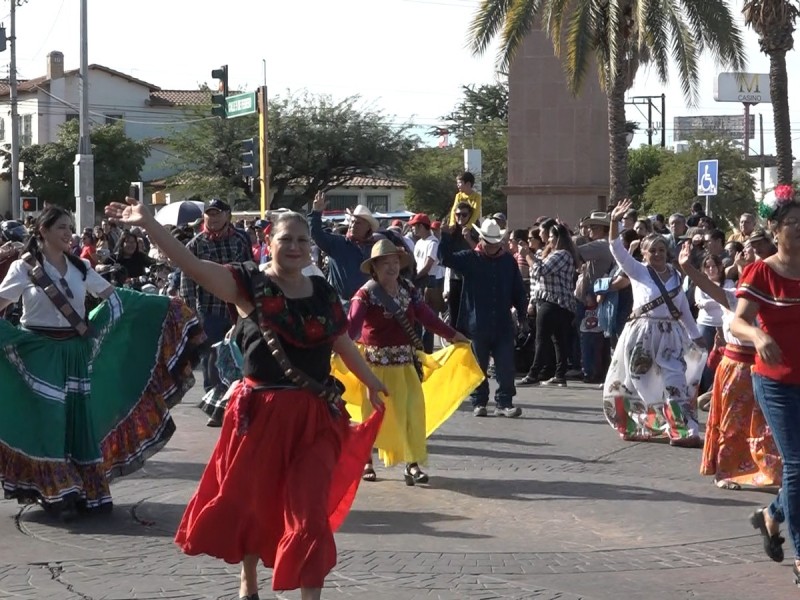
619, 36
773, 21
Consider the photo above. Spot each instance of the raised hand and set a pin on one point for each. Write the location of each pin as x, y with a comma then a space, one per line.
132, 213
685, 256
620, 209
319, 202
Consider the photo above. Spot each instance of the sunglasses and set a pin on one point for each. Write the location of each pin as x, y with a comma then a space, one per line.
462, 214
67, 290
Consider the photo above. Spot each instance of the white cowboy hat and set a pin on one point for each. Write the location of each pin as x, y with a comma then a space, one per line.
362, 212
597, 218
490, 231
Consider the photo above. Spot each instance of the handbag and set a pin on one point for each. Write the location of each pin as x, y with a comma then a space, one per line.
388, 304
42, 280
230, 360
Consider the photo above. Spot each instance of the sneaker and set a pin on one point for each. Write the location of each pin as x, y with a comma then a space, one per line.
526, 381
479, 411
574, 374
508, 411
556, 381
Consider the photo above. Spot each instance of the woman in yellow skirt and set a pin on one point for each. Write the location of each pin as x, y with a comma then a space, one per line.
382, 316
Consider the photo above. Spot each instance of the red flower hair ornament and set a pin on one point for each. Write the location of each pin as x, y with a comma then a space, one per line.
784, 194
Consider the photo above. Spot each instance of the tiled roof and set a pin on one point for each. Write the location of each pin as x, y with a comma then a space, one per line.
359, 182
29, 85
180, 98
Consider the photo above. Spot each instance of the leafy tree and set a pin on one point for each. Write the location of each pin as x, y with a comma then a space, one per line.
773, 21
314, 142
321, 143
49, 172
431, 177
480, 105
644, 163
618, 36
674, 189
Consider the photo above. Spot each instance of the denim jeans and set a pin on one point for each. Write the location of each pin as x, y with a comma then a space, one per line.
215, 328
499, 345
780, 404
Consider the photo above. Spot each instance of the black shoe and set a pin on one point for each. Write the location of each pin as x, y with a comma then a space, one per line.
214, 422
414, 475
527, 381
250, 597
773, 544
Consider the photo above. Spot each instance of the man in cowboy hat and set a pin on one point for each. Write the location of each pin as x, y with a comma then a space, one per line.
345, 252
492, 286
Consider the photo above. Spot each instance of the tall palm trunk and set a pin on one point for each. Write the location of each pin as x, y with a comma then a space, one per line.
779, 90
617, 135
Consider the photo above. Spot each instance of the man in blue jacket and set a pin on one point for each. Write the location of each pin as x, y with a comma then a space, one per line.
492, 286
345, 252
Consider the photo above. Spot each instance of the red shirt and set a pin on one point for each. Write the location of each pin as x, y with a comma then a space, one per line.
778, 301
88, 252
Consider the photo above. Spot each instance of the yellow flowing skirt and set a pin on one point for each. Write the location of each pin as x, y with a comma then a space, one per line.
414, 409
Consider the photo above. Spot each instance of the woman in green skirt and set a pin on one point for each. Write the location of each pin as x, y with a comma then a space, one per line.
79, 408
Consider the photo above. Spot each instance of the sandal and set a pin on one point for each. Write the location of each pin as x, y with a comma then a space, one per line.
414, 475
369, 473
773, 544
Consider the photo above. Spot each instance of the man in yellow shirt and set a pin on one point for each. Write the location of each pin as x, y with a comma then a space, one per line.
464, 183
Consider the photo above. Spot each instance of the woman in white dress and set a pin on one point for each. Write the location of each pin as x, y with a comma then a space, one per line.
651, 386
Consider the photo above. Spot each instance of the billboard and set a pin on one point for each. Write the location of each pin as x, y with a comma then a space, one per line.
750, 88
722, 127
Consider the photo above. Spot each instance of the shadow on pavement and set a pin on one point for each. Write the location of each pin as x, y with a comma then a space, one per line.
532, 489
384, 522
160, 469
121, 522
490, 453
488, 440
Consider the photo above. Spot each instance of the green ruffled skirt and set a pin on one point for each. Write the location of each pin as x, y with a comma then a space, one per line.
76, 413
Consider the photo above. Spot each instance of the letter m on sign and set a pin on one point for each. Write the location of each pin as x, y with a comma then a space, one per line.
750, 86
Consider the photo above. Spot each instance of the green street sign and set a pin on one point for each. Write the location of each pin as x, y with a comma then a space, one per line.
241, 104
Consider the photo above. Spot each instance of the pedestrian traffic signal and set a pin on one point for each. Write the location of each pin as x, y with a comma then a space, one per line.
30, 204
250, 158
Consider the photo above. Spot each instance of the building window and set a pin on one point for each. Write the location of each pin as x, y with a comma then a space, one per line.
2, 130
342, 202
113, 119
378, 203
26, 136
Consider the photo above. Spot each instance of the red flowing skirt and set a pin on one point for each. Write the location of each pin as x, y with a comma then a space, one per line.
280, 481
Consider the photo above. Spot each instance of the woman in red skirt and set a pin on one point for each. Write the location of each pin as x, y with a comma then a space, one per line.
287, 464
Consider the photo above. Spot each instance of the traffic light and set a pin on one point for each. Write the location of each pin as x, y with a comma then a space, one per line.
136, 190
218, 106
250, 158
30, 204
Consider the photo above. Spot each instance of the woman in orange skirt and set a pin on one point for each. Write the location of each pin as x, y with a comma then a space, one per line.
739, 448
287, 464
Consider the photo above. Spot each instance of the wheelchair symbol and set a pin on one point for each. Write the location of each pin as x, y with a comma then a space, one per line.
706, 185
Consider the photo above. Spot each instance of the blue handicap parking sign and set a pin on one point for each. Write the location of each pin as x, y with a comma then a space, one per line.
707, 177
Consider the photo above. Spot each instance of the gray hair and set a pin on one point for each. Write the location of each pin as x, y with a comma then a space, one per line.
677, 216
284, 218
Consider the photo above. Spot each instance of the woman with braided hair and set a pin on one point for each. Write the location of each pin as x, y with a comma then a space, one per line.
84, 399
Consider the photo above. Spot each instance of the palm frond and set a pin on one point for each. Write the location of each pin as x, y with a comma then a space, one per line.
684, 52
553, 21
614, 32
656, 29
519, 22
713, 21
579, 44
487, 21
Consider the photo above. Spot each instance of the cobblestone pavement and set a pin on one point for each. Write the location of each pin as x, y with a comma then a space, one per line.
549, 506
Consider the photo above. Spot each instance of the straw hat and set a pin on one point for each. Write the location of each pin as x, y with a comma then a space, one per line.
385, 248
597, 218
490, 231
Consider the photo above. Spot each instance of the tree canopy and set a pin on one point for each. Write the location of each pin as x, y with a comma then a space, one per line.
674, 189
49, 172
315, 143
479, 120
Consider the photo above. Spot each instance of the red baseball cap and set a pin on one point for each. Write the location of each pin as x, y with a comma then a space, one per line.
397, 223
436, 225
421, 218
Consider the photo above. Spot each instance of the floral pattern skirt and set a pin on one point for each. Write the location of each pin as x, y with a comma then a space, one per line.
739, 445
651, 386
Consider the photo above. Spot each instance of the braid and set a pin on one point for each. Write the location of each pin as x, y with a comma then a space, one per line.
35, 249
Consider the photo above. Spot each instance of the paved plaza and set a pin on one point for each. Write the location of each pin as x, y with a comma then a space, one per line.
549, 506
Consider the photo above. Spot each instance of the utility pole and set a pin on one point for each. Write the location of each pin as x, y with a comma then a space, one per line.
263, 154
638, 101
84, 161
16, 207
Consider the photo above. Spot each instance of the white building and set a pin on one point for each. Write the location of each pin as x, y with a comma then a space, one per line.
378, 194
44, 103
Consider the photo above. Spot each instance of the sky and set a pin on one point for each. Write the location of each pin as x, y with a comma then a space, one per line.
408, 58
